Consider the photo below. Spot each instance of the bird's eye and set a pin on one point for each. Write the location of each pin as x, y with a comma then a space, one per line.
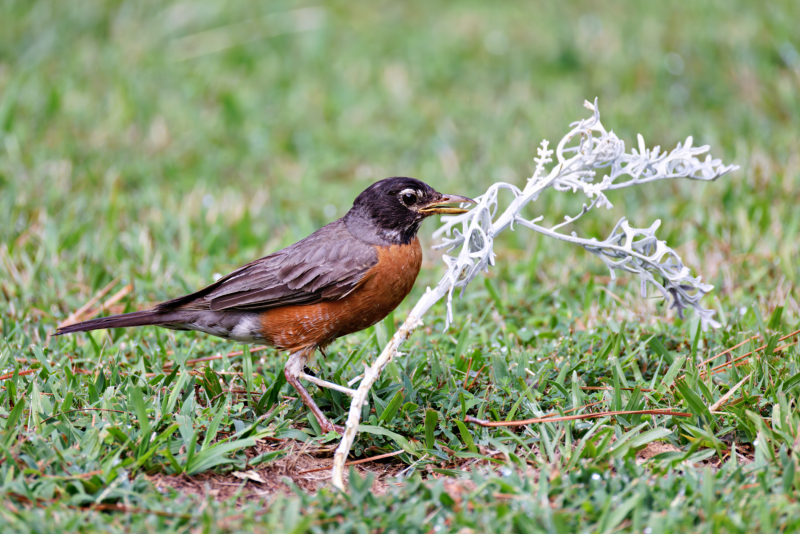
409, 199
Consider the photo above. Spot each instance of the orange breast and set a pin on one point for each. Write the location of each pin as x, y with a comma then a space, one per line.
383, 288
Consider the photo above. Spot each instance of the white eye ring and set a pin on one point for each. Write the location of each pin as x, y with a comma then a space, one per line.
409, 192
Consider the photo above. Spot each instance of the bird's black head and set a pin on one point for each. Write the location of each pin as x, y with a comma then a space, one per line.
392, 210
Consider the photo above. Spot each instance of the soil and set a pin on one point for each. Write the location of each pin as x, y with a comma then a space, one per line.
307, 467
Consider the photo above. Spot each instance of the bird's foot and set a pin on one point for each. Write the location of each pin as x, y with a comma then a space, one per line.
293, 373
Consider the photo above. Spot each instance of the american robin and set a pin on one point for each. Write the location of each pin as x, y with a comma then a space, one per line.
341, 279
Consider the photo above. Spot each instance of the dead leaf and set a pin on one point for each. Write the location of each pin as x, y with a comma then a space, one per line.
249, 475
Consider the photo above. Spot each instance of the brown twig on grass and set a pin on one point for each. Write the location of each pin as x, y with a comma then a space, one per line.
723, 370
355, 462
217, 356
601, 388
553, 414
21, 373
481, 422
469, 387
466, 375
715, 370
726, 364
724, 352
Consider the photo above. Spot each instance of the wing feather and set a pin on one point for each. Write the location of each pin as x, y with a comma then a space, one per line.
327, 265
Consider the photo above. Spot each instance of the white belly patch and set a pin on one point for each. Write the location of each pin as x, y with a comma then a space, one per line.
247, 330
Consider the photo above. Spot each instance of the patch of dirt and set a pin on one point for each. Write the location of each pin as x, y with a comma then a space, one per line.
745, 454
654, 448
306, 467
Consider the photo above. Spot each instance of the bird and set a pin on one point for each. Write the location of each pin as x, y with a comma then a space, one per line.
341, 279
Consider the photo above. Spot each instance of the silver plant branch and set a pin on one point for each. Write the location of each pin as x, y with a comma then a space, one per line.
585, 150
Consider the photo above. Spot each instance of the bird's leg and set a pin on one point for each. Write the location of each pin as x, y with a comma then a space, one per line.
325, 384
293, 371
309, 375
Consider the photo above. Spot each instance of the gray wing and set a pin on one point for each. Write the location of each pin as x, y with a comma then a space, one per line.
327, 265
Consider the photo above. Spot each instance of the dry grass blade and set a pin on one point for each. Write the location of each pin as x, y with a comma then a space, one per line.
553, 414
481, 422
121, 373
466, 375
476, 377
166, 368
216, 356
601, 388
724, 352
116, 297
722, 400
726, 364
21, 373
356, 462
715, 370
77, 315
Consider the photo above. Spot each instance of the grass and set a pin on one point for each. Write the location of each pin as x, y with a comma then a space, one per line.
157, 144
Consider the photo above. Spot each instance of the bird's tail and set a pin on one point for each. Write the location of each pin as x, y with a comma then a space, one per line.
139, 318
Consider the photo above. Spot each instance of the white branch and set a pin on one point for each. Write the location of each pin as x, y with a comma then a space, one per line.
580, 154
371, 374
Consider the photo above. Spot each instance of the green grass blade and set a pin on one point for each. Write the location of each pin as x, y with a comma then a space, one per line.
214, 426
215, 456
393, 406
402, 442
431, 418
466, 436
140, 410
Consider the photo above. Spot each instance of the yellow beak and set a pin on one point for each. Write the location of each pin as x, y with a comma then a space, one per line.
440, 206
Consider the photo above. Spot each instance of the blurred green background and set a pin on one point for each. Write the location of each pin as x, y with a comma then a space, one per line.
165, 142
168, 141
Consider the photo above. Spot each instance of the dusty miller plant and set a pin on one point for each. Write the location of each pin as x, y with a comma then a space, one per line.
586, 150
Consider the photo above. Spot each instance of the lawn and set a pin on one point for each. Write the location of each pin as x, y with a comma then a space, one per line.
146, 147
